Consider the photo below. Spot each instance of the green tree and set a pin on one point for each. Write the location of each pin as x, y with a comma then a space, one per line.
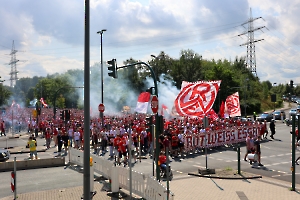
5, 94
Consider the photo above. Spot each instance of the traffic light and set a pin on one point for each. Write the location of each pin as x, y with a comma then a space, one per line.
160, 124
62, 115
113, 68
151, 90
291, 83
67, 115
149, 122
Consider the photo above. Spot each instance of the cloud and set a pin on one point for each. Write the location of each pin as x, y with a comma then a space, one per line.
52, 32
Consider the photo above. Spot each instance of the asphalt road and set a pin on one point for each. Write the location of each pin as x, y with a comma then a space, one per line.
40, 179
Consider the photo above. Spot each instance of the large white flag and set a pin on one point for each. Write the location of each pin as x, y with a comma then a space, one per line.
142, 103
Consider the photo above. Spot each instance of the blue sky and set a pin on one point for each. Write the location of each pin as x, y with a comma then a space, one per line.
49, 34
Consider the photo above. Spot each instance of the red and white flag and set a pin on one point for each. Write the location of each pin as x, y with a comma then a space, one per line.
212, 115
163, 107
43, 102
197, 98
233, 105
142, 103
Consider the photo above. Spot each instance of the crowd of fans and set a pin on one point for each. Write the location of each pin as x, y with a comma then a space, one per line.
114, 133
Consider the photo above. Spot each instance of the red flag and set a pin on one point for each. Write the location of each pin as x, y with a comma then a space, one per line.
43, 102
222, 110
142, 103
212, 114
196, 99
233, 105
163, 107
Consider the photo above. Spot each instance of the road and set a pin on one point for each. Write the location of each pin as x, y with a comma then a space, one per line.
276, 157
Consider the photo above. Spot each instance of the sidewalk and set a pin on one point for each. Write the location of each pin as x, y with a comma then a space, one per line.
187, 187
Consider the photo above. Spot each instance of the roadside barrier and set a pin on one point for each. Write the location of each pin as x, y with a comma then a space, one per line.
119, 176
138, 181
102, 166
76, 156
155, 190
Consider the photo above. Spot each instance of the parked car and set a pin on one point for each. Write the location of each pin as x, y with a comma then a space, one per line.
278, 114
265, 116
4, 155
288, 121
293, 111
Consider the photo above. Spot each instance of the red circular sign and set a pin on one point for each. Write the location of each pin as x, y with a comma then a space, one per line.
101, 107
154, 104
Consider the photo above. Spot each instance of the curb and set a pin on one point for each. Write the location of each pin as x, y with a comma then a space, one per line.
220, 177
20, 152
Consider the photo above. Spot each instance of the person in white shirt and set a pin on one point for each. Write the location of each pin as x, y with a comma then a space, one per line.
77, 138
71, 135
113, 132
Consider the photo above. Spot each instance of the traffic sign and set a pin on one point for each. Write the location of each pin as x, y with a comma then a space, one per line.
154, 104
101, 107
13, 182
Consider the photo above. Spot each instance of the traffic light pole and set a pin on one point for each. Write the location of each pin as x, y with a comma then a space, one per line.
157, 149
54, 99
36, 130
293, 167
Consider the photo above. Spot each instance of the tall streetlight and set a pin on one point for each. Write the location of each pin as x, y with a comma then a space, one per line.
101, 55
245, 96
1, 81
274, 99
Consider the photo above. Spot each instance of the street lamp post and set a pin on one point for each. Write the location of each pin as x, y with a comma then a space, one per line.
245, 96
274, 84
101, 54
1, 101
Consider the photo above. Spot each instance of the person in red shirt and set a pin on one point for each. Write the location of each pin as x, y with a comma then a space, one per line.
162, 160
48, 138
116, 146
122, 151
55, 133
174, 144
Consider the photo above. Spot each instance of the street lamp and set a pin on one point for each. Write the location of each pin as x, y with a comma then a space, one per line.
1, 81
245, 96
101, 55
274, 99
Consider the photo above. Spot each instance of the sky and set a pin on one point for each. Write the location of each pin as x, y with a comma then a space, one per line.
49, 34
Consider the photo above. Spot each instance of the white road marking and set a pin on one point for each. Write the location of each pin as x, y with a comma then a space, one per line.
276, 175
276, 163
198, 166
